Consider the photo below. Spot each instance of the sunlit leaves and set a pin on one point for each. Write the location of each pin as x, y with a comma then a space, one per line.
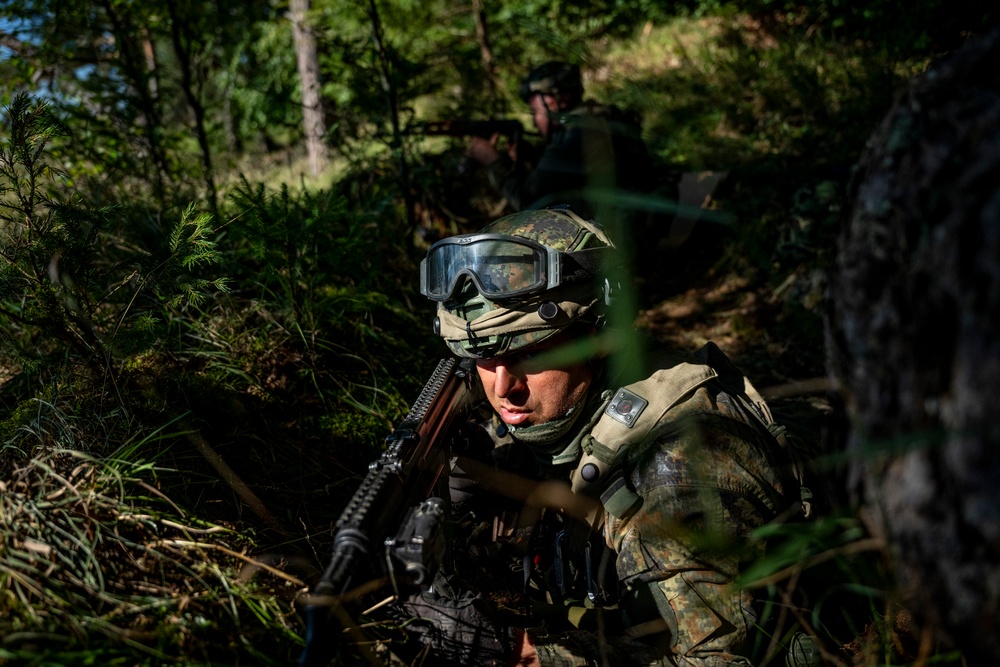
192, 248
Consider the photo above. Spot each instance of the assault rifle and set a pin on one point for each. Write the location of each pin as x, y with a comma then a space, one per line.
513, 130
390, 533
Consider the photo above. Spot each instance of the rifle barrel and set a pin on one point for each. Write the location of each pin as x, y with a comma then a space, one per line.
510, 128
407, 473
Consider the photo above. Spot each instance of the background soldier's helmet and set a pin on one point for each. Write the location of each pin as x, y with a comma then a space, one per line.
559, 282
553, 78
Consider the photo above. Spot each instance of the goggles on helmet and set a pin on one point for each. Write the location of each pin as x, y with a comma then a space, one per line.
500, 266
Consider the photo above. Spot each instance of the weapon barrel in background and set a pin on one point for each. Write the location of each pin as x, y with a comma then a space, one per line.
512, 129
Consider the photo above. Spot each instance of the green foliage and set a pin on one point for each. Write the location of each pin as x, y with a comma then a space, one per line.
85, 551
260, 91
289, 244
46, 250
139, 84
190, 249
61, 273
925, 26
144, 341
333, 277
714, 94
825, 578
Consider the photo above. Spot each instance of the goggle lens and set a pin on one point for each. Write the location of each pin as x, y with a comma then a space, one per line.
499, 267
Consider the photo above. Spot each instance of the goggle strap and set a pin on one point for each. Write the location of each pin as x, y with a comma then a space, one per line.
590, 260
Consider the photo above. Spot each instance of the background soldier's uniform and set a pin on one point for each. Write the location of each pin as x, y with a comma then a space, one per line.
592, 147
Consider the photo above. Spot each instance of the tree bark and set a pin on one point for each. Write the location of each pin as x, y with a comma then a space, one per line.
485, 48
189, 84
392, 99
142, 76
313, 119
912, 335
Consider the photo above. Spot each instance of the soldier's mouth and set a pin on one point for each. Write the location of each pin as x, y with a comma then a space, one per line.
514, 416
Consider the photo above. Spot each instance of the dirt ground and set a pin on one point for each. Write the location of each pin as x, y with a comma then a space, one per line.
692, 294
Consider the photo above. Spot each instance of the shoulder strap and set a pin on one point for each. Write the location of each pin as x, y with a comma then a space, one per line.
629, 420
631, 417
755, 405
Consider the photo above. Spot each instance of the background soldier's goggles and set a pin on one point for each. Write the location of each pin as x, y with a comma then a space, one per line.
500, 266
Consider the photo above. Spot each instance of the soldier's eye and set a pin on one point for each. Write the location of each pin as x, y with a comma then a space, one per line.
487, 364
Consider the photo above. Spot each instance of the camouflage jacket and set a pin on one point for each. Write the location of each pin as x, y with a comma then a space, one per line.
698, 475
592, 147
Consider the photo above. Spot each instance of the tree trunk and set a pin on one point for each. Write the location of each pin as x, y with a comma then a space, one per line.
392, 99
313, 120
149, 53
182, 48
141, 74
485, 48
912, 335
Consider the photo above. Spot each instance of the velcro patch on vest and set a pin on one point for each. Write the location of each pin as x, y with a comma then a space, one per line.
626, 407
658, 394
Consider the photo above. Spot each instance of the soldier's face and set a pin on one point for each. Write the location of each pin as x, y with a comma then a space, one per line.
542, 106
525, 395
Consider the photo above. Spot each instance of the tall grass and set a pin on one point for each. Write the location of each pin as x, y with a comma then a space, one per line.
93, 555
165, 489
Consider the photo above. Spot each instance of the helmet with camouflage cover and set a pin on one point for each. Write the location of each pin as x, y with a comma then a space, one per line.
522, 279
553, 78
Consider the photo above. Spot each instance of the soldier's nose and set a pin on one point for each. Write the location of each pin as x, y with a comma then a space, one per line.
506, 382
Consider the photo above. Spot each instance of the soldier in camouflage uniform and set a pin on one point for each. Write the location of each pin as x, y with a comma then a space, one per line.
587, 147
671, 472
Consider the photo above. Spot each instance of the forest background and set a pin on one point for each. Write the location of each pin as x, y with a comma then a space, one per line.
211, 218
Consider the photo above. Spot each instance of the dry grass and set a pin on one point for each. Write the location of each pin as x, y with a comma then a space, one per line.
90, 549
